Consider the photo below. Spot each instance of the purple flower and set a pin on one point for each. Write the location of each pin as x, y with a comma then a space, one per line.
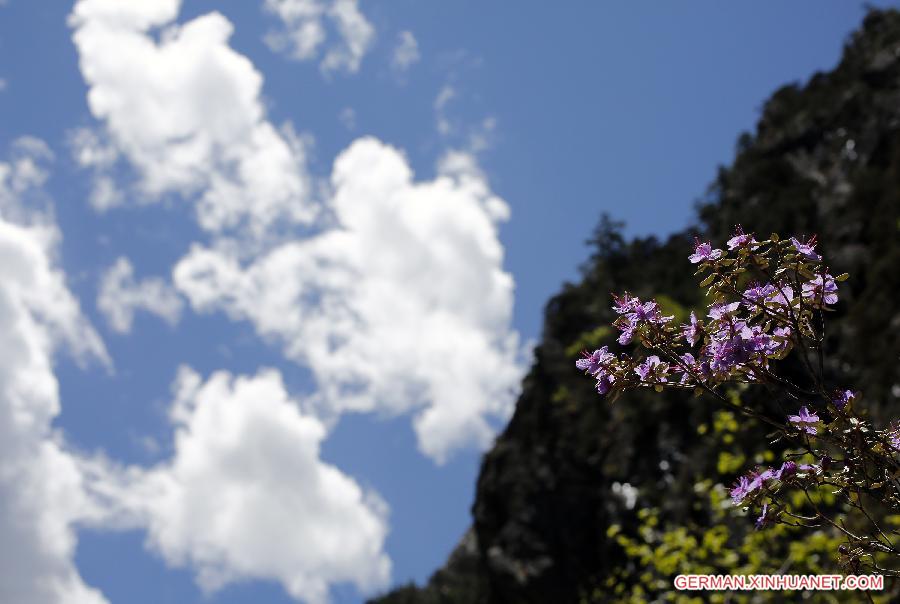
692, 332
740, 239
729, 353
689, 360
634, 313
756, 294
806, 467
740, 490
605, 382
842, 399
627, 334
723, 311
821, 289
747, 484
781, 339
756, 339
625, 303
596, 365
804, 420
649, 312
787, 469
893, 436
652, 367
780, 342
760, 478
594, 362
703, 252
703, 367
806, 249
783, 296
762, 521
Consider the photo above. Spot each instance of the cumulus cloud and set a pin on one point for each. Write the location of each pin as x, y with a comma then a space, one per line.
406, 53
246, 494
403, 307
41, 487
153, 97
121, 295
391, 291
398, 302
305, 30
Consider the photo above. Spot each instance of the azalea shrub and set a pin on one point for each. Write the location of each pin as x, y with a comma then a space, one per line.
765, 326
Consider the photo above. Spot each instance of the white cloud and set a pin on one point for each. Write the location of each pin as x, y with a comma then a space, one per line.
403, 307
304, 31
381, 308
100, 157
397, 302
154, 99
406, 53
347, 116
246, 495
41, 487
446, 94
22, 175
3, 85
356, 32
473, 137
481, 136
140, 15
120, 295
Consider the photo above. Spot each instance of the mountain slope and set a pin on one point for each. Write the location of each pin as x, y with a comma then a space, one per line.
825, 159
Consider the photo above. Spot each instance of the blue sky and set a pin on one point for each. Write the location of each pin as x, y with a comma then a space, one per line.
272, 269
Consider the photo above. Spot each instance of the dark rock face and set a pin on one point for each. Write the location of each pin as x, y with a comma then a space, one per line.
460, 580
825, 159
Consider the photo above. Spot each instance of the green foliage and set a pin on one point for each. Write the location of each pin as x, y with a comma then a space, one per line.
657, 555
721, 542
